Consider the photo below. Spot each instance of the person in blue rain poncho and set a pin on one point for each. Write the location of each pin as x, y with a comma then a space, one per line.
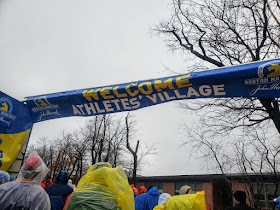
59, 191
147, 201
277, 200
26, 192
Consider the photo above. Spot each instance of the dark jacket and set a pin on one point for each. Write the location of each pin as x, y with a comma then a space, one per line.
59, 191
241, 206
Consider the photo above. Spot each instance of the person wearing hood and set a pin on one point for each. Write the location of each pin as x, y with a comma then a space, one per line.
277, 200
161, 201
142, 190
71, 185
102, 187
59, 191
26, 193
4, 177
47, 181
147, 201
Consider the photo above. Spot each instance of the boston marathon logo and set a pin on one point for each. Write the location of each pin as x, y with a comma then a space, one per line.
45, 107
269, 78
6, 108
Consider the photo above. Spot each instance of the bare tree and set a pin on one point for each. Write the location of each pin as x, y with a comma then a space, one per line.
233, 132
226, 32
133, 152
101, 139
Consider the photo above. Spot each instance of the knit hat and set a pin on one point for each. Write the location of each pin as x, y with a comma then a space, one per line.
62, 177
184, 190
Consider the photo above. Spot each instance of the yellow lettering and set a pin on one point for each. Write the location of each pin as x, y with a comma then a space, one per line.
149, 88
106, 93
129, 91
91, 94
119, 95
159, 85
183, 82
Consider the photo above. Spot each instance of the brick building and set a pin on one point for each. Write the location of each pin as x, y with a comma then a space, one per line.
218, 188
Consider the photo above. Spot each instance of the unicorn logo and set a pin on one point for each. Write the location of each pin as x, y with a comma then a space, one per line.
270, 69
4, 107
41, 102
274, 69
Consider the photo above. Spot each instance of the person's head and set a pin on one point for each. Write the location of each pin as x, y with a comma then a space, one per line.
4, 177
185, 190
33, 170
142, 189
62, 177
240, 196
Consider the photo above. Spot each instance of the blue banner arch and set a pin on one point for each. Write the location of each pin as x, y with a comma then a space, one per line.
258, 79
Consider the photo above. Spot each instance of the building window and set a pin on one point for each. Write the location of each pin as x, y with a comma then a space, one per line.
264, 194
159, 185
196, 186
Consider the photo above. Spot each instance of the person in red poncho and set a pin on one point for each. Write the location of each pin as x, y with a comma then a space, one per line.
135, 191
142, 190
47, 181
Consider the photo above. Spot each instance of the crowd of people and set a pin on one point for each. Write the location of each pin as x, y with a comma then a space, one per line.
102, 187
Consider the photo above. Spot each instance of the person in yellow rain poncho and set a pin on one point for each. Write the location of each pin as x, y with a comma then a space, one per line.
183, 202
103, 187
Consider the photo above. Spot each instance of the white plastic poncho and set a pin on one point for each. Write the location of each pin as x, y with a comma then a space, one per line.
71, 185
162, 198
26, 192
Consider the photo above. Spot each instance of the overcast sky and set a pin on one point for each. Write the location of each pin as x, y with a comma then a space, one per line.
59, 45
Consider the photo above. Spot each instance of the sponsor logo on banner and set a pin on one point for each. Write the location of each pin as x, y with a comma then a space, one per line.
6, 108
43, 104
268, 80
45, 107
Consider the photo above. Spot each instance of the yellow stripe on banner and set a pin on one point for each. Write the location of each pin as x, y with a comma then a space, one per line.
10, 146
